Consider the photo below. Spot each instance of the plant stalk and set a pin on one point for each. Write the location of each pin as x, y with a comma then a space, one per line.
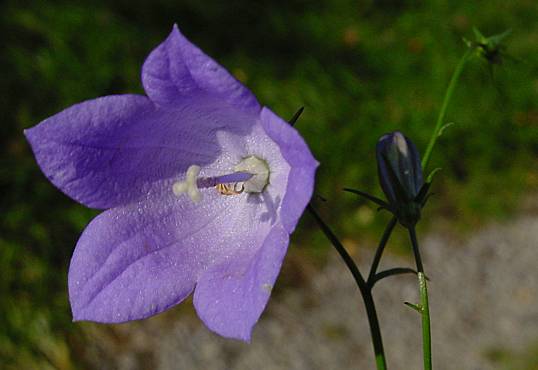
425, 313
380, 249
366, 291
424, 306
442, 113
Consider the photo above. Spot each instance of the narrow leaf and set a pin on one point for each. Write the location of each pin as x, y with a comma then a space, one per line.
296, 116
496, 39
430, 176
376, 200
478, 35
391, 272
444, 127
414, 307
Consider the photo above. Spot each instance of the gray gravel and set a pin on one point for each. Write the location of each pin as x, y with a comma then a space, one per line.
482, 296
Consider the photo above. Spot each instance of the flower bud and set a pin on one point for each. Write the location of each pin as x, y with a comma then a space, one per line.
400, 176
491, 48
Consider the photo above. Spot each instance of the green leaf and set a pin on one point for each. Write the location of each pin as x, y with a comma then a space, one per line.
415, 307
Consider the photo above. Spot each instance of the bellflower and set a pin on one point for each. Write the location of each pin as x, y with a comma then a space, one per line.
400, 176
201, 188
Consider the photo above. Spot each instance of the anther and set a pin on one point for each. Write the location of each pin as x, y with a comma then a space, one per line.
260, 173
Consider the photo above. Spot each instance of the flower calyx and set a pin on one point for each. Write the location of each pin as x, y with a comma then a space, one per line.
490, 48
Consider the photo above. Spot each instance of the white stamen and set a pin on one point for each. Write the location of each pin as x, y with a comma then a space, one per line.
260, 171
189, 186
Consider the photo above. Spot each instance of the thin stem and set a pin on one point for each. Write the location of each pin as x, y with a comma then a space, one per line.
380, 249
424, 305
425, 313
442, 112
391, 272
339, 247
375, 330
416, 251
366, 291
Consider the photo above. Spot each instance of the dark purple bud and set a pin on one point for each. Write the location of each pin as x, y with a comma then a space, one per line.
400, 175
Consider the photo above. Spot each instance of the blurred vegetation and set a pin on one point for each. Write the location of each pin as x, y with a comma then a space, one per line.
361, 68
524, 359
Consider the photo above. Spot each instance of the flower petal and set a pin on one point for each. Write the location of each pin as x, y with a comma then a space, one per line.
113, 150
135, 261
231, 296
177, 69
303, 167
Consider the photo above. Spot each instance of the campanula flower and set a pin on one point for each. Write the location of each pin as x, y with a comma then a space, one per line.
201, 188
400, 176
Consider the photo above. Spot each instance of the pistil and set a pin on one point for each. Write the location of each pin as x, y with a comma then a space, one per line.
251, 176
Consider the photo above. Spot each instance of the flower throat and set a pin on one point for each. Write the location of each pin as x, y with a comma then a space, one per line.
251, 175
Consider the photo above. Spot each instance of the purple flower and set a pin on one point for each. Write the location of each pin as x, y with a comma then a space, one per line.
201, 185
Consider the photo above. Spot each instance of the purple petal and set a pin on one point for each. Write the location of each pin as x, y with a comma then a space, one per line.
116, 149
135, 261
177, 69
303, 167
383, 172
230, 297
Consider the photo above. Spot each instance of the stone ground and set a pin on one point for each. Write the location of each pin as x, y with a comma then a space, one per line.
483, 298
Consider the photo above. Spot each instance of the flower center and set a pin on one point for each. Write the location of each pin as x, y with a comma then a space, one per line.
251, 176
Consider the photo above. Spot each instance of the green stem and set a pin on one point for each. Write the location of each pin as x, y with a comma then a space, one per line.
366, 291
375, 330
416, 250
425, 313
379, 251
441, 118
424, 306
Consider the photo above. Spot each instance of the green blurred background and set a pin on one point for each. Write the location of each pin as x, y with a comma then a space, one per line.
361, 68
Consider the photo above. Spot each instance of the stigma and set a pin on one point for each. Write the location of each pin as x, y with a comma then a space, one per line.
250, 175
189, 185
